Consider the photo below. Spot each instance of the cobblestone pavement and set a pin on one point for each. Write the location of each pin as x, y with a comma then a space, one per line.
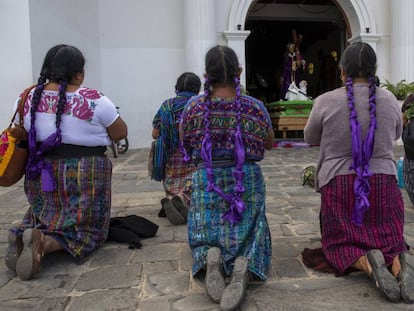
157, 276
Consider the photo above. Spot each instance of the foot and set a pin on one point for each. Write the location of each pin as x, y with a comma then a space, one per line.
214, 278
406, 277
30, 259
235, 291
14, 250
384, 280
180, 205
161, 213
173, 215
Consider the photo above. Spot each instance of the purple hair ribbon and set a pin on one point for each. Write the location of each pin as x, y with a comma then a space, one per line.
361, 153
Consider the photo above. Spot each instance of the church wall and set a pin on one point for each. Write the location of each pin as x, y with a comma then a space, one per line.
142, 54
72, 22
381, 11
15, 54
222, 12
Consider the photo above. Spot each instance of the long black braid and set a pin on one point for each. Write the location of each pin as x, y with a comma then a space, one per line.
61, 64
62, 102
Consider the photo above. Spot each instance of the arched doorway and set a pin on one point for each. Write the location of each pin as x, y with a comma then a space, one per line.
272, 25
259, 30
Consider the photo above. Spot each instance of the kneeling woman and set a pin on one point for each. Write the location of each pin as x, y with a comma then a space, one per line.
362, 210
226, 134
68, 176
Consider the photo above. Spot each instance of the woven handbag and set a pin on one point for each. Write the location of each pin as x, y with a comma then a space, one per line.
12, 159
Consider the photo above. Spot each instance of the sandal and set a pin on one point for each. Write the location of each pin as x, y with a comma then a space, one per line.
215, 283
14, 249
383, 278
406, 277
234, 293
173, 215
30, 259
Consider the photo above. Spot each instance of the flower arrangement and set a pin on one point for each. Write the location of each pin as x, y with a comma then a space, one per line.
400, 89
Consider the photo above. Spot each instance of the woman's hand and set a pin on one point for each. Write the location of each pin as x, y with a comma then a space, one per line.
18, 132
155, 133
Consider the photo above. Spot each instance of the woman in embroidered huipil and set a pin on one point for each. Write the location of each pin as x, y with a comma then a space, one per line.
362, 210
177, 174
68, 176
225, 134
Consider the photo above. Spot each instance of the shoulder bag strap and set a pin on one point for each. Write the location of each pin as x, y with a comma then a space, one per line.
20, 106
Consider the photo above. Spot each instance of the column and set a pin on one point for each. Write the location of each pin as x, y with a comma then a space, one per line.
236, 39
402, 44
199, 33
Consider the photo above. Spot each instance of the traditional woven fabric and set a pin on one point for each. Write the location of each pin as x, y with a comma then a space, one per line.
168, 117
7, 147
77, 213
178, 177
157, 159
167, 121
250, 237
255, 125
342, 241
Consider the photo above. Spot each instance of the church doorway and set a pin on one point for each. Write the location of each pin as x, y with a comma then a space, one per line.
273, 24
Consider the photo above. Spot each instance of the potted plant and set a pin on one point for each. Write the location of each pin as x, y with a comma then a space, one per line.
400, 89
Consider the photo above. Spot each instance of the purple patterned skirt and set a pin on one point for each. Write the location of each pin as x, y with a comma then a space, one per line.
342, 241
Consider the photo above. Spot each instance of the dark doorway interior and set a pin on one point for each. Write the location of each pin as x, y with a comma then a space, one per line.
266, 45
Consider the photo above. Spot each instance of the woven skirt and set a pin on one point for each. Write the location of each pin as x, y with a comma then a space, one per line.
178, 177
77, 212
206, 228
342, 241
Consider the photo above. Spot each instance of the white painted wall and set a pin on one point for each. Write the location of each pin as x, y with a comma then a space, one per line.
72, 22
15, 55
29, 29
221, 12
381, 11
142, 54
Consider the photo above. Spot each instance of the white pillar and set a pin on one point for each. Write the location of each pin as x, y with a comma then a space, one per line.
402, 40
237, 41
199, 33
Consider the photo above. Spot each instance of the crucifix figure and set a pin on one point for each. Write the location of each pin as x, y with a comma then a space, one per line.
293, 64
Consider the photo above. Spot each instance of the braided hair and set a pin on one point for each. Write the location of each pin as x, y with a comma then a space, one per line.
188, 82
359, 61
222, 69
62, 62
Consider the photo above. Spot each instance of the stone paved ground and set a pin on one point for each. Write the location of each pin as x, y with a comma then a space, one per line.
157, 276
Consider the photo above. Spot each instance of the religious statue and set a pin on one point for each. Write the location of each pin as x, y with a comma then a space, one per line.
293, 65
